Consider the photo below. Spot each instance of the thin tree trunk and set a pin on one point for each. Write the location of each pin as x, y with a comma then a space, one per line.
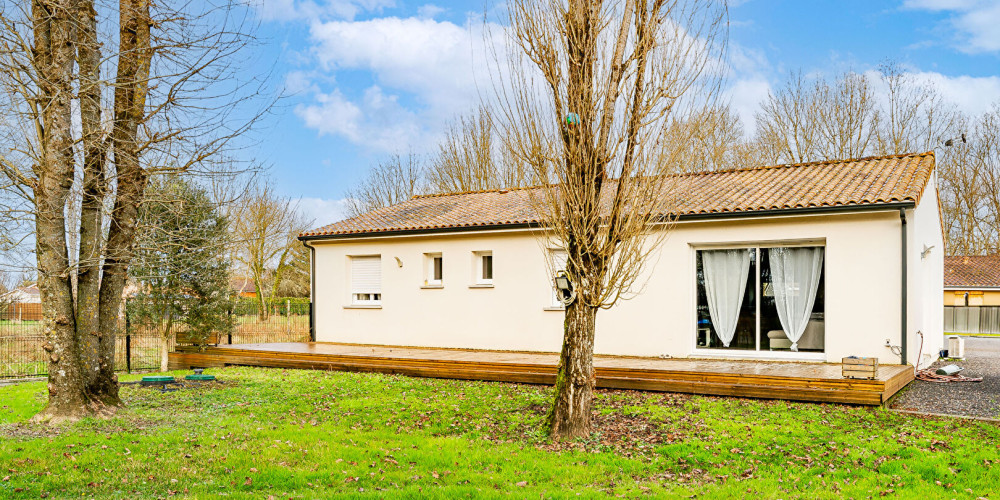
574, 389
165, 343
91, 230
262, 313
132, 87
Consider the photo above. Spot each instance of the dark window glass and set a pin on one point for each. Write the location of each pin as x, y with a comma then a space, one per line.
770, 335
437, 269
487, 267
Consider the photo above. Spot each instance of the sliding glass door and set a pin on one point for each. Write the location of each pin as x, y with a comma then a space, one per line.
761, 298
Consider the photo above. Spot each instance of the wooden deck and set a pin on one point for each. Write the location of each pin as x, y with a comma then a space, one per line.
818, 382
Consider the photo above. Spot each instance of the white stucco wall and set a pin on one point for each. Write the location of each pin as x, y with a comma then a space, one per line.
925, 278
862, 288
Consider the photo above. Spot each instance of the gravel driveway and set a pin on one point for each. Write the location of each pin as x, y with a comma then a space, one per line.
975, 399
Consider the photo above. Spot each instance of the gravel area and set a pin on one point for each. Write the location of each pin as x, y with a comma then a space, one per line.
974, 399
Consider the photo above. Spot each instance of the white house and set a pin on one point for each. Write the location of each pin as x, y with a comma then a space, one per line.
27, 294
806, 262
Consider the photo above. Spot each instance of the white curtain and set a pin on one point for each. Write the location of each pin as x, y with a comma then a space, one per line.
795, 274
726, 274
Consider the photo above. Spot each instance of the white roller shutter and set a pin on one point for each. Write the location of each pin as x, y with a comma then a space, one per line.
366, 274
558, 261
559, 258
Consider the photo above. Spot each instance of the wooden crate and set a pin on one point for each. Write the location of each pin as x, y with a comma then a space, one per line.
864, 368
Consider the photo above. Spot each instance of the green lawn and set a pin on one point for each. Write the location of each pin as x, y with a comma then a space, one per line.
301, 434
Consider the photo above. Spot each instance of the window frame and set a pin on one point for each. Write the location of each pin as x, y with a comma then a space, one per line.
433, 270
759, 351
479, 268
364, 297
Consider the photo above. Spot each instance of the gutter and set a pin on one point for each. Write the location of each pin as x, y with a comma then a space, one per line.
778, 212
903, 289
312, 290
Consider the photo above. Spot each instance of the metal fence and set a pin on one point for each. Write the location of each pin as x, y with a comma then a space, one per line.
140, 345
976, 319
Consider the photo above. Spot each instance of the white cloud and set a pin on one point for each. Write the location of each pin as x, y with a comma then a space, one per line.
376, 120
323, 211
972, 95
425, 73
290, 10
745, 97
430, 11
976, 21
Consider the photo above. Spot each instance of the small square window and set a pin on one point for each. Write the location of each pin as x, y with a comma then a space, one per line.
434, 265
482, 266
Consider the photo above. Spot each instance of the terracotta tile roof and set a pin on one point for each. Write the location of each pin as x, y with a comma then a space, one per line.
242, 284
865, 181
972, 271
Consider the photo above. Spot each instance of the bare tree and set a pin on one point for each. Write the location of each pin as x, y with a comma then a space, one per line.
468, 158
788, 121
710, 139
852, 117
593, 84
264, 232
970, 181
166, 106
914, 117
390, 181
848, 117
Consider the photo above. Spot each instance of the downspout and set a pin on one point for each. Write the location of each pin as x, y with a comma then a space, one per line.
902, 311
312, 290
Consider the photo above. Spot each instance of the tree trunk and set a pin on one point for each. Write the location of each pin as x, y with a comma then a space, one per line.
92, 204
574, 389
54, 57
132, 87
262, 313
165, 343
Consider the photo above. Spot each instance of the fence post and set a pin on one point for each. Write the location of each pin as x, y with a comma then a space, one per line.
128, 340
230, 330
312, 324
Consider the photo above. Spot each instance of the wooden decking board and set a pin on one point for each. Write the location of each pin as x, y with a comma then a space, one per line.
757, 379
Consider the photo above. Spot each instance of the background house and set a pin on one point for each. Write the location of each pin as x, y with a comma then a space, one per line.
972, 280
472, 270
972, 294
243, 286
23, 303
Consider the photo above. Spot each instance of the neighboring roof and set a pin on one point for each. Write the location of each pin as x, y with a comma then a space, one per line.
972, 271
242, 284
865, 182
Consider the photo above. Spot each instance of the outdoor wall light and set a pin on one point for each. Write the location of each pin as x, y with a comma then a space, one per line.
563, 284
564, 288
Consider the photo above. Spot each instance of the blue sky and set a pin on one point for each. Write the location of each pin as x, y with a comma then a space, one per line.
367, 78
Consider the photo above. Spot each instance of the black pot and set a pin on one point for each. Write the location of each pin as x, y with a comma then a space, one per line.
944, 353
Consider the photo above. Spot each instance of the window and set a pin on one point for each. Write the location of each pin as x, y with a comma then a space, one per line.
761, 299
557, 260
482, 268
366, 280
434, 265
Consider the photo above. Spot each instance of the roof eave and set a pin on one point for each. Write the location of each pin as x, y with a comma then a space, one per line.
776, 212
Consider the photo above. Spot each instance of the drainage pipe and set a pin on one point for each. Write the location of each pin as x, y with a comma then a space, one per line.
312, 290
902, 311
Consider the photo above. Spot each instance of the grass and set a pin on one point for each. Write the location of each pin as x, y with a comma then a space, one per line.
301, 434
